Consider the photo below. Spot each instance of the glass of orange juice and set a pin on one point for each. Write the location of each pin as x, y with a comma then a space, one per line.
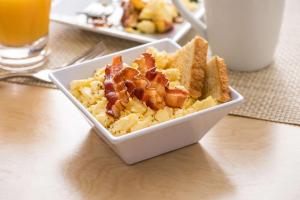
24, 26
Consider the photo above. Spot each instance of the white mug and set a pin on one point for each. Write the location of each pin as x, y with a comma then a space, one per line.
244, 32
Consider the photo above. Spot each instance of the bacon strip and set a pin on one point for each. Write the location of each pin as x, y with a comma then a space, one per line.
146, 84
154, 94
114, 88
175, 98
146, 64
114, 68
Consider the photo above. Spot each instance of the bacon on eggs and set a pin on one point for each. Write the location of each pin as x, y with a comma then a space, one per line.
145, 83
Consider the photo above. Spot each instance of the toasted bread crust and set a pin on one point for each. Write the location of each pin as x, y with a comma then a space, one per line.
202, 79
191, 61
224, 81
216, 80
197, 71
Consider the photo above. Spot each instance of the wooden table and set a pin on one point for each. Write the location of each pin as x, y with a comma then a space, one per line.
48, 151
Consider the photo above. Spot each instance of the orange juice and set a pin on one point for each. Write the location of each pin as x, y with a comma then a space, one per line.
23, 21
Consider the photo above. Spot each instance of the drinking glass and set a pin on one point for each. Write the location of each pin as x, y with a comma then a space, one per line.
24, 26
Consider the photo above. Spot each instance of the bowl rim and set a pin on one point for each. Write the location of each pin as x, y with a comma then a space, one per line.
118, 139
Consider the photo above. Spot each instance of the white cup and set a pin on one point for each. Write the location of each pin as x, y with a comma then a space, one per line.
244, 32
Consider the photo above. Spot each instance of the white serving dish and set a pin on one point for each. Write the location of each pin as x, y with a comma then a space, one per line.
154, 140
65, 12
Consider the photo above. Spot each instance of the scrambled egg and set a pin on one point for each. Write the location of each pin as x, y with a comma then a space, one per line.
136, 116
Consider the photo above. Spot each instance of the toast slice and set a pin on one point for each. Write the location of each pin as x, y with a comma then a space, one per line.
216, 80
191, 62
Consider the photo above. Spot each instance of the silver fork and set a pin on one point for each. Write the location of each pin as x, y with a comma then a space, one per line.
42, 75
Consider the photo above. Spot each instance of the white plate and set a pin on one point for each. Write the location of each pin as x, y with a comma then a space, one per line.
66, 12
156, 139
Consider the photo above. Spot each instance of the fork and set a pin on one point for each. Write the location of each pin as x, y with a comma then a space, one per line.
42, 75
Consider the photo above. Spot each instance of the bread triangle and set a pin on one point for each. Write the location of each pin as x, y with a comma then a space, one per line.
191, 61
216, 80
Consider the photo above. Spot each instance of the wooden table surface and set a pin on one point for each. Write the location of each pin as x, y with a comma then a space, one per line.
48, 151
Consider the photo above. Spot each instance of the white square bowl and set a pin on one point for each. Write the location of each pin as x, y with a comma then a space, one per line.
154, 140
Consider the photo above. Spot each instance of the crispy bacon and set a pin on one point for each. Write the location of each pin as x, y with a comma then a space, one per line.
115, 90
153, 99
144, 83
114, 68
155, 93
136, 86
146, 64
159, 82
175, 97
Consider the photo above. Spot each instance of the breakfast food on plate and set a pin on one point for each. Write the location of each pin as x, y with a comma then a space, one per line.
136, 16
149, 17
153, 16
154, 88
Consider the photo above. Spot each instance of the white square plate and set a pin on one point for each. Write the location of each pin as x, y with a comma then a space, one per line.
154, 140
66, 12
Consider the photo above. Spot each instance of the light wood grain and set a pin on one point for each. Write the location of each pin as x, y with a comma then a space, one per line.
48, 151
